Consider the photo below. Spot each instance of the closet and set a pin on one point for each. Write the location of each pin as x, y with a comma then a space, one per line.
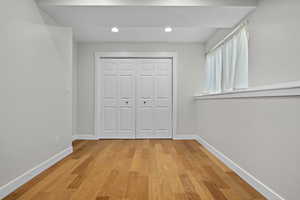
136, 98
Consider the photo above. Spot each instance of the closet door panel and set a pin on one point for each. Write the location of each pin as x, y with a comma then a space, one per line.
145, 94
126, 120
127, 98
154, 92
163, 98
118, 98
110, 120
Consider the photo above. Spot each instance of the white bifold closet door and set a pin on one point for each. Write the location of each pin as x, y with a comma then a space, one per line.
118, 98
137, 98
154, 98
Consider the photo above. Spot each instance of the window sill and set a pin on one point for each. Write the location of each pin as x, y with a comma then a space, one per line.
277, 90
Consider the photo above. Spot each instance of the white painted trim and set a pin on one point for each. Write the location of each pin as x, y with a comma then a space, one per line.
85, 137
250, 179
74, 138
27, 176
287, 89
185, 137
124, 137
99, 55
232, 3
152, 137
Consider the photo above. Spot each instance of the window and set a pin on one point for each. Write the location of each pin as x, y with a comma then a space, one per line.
227, 65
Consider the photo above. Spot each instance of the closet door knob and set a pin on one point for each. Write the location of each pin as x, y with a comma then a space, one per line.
145, 102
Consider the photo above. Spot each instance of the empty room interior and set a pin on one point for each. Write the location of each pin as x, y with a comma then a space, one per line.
149, 100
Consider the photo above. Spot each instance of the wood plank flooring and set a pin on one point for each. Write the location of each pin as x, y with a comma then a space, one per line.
137, 170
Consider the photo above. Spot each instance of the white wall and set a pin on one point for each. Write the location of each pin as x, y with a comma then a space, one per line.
35, 88
190, 59
262, 134
74, 86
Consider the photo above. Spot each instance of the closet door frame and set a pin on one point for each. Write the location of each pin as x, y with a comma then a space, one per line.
131, 55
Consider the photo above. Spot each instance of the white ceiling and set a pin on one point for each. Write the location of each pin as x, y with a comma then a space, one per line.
145, 23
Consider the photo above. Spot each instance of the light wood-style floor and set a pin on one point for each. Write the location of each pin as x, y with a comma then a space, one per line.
137, 170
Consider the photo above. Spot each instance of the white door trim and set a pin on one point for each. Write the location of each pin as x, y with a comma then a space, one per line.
98, 97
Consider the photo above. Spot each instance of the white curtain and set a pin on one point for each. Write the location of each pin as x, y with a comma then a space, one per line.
214, 71
241, 77
227, 66
235, 62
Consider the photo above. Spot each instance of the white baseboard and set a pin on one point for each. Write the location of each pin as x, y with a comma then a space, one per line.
185, 137
93, 137
27, 176
84, 137
250, 179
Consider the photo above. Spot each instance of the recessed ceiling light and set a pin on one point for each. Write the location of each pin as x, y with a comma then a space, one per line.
168, 29
114, 29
